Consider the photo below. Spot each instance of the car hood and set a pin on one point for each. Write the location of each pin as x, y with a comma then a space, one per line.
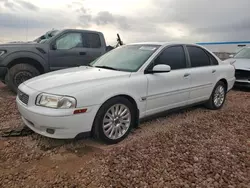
243, 64
18, 44
72, 80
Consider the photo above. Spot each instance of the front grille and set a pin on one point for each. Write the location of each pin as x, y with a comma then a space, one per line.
242, 75
23, 97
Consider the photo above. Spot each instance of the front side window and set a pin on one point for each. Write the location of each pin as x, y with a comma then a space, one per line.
69, 40
244, 53
126, 58
173, 56
198, 57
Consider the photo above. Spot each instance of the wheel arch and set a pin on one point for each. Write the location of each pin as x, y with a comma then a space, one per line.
27, 60
28, 57
225, 82
130, 99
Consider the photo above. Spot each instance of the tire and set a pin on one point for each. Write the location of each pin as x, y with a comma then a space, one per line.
123, 129
6, 78
20, 73
211, 103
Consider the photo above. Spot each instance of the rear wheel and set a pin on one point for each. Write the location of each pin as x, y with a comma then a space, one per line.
217, 97
114, 120
20, 73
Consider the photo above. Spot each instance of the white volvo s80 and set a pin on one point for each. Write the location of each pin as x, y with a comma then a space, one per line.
108, 97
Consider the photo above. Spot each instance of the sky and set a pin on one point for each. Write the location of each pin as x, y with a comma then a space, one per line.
134, 20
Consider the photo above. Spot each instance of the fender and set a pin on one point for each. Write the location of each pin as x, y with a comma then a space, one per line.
26, 54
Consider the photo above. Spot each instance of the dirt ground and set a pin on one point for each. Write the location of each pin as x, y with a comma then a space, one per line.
195, 147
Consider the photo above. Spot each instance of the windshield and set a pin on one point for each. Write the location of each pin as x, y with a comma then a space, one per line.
126, 58
244, 54
47, 36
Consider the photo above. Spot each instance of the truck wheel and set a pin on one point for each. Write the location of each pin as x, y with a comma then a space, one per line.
6, 78
20, 73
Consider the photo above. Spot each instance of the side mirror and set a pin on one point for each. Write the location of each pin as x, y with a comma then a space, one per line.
161, 68
53, 46
231, 55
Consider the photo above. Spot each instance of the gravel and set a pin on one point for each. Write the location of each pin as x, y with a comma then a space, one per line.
194, 147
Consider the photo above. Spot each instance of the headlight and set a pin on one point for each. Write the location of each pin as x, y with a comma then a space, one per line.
2, 52
55, 101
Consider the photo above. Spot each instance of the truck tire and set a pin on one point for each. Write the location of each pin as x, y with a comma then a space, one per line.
6, 78
19, 73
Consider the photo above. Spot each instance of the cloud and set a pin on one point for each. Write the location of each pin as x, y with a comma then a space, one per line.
215, 20
27, 5
12, 21
105, 18
16, 4
9, 5
158, 20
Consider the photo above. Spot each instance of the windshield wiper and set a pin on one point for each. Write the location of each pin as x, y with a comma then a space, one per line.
107, 67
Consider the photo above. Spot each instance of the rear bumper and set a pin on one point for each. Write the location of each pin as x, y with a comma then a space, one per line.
3, 71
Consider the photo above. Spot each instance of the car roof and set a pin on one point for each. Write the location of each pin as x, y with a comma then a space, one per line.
82, 30
162, 43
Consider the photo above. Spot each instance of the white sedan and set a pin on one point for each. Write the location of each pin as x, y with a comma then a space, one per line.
108, 97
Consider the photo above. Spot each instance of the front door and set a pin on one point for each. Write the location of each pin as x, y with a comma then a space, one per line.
171, 89
68, 51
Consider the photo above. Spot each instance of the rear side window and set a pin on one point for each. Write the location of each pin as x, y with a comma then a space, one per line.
173, 56
91, 40
198, 57
213, 60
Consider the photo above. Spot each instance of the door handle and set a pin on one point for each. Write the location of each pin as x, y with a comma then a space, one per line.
213, 71
82, 53
186, 75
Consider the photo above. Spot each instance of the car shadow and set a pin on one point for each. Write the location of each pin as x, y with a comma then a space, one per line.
239, 88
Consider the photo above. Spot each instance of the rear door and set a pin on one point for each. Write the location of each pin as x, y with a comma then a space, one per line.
203, 73
94, 46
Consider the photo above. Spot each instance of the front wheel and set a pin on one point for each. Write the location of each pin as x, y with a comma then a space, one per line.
114, 120
217, 97
20, 73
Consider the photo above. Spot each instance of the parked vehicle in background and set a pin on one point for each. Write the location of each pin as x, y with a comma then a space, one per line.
224, 49
108, 97
57, 49
242, 66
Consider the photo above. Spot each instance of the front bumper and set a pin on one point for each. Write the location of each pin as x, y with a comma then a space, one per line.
3, 71
242, 83
63, 122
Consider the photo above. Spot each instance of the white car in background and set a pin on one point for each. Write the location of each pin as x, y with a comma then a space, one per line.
131, 82
242, 66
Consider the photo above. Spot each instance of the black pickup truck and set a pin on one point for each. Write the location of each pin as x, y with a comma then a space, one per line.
55, 50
